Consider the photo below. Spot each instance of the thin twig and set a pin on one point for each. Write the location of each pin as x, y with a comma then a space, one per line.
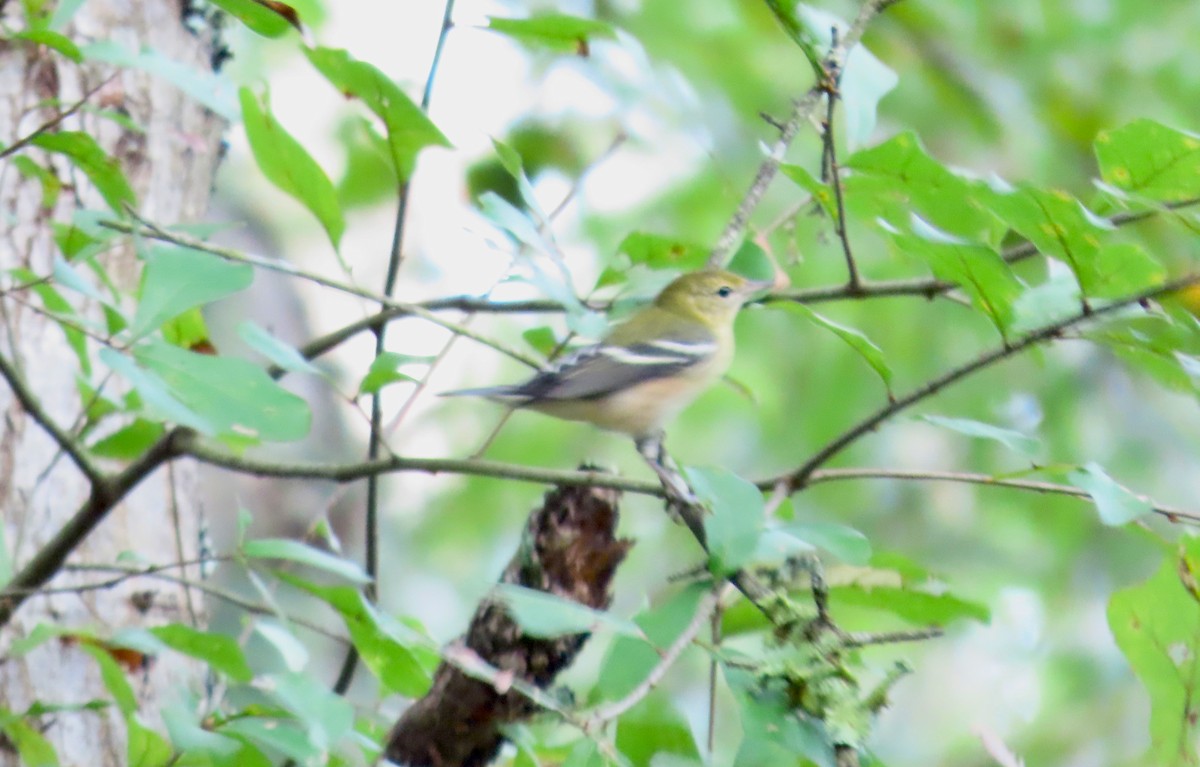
864, 639
832, 475
105, 494
923, 287
375, 438
799, 477
35, 410
832, 79
610, 711
401, 308
803, 111
22, 142
350, 472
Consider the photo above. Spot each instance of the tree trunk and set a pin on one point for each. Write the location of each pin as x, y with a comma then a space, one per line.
170, 166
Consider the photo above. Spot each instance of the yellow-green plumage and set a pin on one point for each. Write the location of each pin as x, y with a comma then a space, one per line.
649, 367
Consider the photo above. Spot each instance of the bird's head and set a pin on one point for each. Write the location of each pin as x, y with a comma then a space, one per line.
712, 295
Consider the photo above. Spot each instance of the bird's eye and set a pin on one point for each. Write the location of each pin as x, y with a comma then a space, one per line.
724, 291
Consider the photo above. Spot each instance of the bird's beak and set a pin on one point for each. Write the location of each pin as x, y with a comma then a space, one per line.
754, 287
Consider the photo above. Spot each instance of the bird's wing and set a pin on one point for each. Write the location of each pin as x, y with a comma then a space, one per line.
595, 371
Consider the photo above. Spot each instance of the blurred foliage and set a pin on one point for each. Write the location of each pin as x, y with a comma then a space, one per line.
1069, 127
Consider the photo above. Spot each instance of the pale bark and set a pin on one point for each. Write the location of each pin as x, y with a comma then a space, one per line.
170, 166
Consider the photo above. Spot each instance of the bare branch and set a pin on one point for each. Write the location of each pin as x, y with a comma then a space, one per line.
22, 142
276, 265
669, 656
799, 478
105, 495
569, 549
803, 111
1172, 513
34, 408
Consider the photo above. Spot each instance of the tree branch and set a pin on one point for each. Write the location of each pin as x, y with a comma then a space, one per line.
22, 142
1172, 513
832, 75
799, 478
803, 110
35, 410
610, 711
151, 231
105, 495
570, 550
191, 445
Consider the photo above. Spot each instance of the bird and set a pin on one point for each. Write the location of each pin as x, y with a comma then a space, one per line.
646, 369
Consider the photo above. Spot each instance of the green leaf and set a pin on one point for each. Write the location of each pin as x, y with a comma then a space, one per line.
655, 727
259, 17
752, 262
736, 522
33, 749
510, 159
1123, 268
1062, 228
545, 615
1151, 160
155, 394
657, 251
205, 87
978, 270
145, 747
289, 166
278, 352
408, 129
855, 339
865, 79
1054, 300
64, 11
178, 279
821, 192
128, 442
229, 394
188, 331
327, 717
113, 676
102, 170
302, 553
219, 651
51, 39
541, 339
786, 12
1156, 624
845, 543
771, 732
518, 223
1013, 440
54, 302
6, 562
286, 737
292, 651
51, 184
392, 661
384, 370
917, 607
629, 659
1115, 504
897, 178
557, 32
188, 736
368, 176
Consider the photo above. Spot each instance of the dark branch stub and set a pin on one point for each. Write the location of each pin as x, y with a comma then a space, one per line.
570, 550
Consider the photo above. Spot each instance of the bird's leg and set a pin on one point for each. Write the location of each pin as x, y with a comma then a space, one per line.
652, 450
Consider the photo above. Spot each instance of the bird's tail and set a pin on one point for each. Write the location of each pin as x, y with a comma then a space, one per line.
508, 394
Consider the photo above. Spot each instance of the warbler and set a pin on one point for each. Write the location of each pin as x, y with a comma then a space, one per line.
649, 367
